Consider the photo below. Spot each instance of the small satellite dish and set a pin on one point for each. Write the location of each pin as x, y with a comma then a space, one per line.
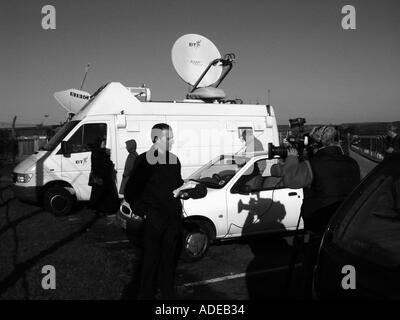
72, 100
191, 54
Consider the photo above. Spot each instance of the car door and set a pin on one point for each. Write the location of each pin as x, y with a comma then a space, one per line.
77, 165
259, 203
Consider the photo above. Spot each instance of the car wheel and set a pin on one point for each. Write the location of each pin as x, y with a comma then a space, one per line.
196, 240
58, 200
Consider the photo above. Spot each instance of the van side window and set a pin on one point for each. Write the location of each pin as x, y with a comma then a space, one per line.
87, 134
252, 143
244, 131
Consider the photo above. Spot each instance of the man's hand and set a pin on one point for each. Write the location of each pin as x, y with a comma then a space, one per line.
389, 150
292, 152
180, 192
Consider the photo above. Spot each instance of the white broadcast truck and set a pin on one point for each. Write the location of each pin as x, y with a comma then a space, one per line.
205, 125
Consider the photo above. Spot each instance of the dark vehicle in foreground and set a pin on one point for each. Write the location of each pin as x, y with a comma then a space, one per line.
359, 257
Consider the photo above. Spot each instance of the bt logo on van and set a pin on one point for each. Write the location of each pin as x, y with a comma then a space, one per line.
82, 162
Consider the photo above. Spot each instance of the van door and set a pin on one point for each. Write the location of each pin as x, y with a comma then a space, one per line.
76, 167
258, 202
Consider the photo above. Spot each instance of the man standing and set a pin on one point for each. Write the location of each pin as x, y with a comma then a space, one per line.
150, 192
327, 178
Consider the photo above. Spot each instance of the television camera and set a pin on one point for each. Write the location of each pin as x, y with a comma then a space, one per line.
294, 139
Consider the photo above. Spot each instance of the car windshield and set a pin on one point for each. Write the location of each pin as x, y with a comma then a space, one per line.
61, 133
217, 173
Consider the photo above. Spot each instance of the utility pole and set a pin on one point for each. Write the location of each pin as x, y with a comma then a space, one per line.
13, 135
14, 143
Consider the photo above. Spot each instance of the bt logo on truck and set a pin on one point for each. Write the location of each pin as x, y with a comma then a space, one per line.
195, 44
82, 162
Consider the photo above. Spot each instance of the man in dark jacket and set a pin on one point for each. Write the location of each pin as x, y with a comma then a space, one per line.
327, 178
154, 191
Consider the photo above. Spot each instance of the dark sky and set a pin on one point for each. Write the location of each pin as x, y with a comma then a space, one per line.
297, 49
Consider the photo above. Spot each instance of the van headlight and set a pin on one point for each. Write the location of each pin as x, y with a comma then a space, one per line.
22, 177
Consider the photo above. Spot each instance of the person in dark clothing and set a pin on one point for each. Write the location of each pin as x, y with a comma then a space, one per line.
327, 178
392, 140
104, 196
153, 191
129, 163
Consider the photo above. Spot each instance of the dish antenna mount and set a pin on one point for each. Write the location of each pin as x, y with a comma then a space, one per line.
226, 62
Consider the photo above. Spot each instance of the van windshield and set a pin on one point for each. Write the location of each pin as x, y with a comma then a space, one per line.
60, 135
217, 173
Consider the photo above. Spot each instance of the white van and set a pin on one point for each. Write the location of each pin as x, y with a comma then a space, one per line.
58, 175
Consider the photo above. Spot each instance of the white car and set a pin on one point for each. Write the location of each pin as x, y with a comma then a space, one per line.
242, 199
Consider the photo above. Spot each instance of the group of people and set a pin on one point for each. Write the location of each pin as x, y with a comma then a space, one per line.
104, 197
153, 186
327, 177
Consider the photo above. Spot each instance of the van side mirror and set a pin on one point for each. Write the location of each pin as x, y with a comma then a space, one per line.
241, 189
65, 149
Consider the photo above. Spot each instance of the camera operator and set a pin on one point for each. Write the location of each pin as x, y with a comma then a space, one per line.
327, 178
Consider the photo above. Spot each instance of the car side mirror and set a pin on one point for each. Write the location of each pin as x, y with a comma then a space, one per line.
241, 189
65, 149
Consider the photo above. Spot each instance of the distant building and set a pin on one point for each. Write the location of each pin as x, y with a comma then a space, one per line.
28, 141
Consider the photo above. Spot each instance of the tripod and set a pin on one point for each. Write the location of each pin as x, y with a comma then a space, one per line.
297, 242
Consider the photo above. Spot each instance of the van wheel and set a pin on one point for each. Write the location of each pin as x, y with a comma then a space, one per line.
196, 240
58, 200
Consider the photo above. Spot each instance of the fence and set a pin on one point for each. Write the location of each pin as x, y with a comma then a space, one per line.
21, 148
372, 147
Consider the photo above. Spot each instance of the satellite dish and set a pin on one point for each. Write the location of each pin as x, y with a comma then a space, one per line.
191, 54
72, 100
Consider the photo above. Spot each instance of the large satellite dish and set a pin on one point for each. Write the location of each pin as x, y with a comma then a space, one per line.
191, 55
